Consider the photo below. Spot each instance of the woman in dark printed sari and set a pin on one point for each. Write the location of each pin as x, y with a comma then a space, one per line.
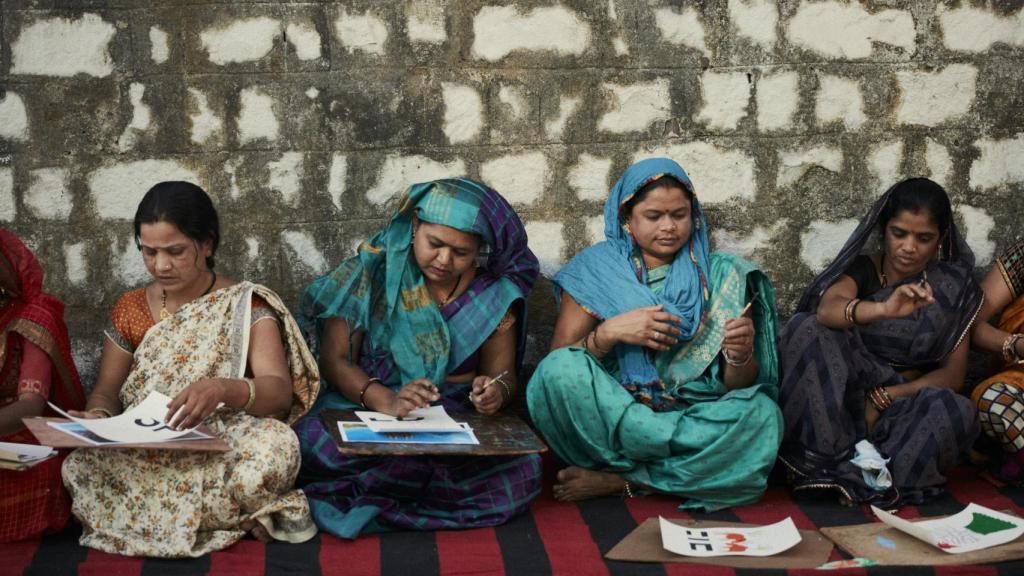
1000, 398
874, 357
413, 318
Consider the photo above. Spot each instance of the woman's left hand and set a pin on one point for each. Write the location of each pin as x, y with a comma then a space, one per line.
193, 404
871, 415
739, 338
487, 401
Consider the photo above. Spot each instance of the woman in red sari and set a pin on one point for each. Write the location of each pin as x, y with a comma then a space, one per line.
35, 366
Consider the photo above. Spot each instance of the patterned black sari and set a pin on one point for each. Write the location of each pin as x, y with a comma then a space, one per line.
826, 373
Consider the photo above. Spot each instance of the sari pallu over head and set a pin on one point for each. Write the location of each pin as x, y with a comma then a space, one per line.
381, 290
922, 339
37, 317
610, 278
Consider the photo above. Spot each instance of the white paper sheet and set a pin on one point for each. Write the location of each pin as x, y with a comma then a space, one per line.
729, 541
973, 528
432, 419
16, 452
143, 423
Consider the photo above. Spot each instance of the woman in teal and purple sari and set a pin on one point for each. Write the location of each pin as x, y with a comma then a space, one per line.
429, 309
660, 378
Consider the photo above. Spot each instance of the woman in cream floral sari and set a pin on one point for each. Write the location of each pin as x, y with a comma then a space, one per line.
230, 355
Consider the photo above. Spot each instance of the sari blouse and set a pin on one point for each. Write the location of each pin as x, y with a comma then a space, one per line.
131, 318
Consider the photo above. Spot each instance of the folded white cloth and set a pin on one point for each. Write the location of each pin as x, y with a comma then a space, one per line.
876, 475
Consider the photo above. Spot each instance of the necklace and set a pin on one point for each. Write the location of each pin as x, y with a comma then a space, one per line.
448, 298
165, 314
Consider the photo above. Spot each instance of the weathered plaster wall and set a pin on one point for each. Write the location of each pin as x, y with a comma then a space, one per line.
304, 118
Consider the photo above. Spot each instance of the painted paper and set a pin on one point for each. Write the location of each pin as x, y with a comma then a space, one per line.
973, 528
705, 542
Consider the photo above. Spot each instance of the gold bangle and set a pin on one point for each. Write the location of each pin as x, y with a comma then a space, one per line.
367, 387
508, 391
252, 394
103, 411
602, 351
848, 311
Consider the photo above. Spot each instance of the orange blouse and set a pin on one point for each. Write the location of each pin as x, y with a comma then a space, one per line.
131, 318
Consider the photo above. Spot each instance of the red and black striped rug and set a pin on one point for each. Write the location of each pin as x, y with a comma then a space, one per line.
554, 538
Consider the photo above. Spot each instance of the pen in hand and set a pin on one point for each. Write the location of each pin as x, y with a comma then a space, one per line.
488, 384
493, 380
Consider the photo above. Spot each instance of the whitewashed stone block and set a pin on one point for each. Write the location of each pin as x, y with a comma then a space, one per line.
501, 30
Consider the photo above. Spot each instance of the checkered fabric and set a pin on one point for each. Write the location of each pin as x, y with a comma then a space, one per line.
1001, 412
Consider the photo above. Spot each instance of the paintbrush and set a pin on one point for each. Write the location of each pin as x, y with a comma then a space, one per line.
749, 304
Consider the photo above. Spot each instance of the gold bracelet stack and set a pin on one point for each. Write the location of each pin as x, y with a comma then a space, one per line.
627, 491
1010, 355
507, 391
252, 394
851, 311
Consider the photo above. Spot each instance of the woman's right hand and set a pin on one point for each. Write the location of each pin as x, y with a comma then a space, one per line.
907, 299
416, 394
649, 326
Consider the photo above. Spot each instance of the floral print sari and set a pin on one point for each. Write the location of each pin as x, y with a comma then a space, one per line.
174, 504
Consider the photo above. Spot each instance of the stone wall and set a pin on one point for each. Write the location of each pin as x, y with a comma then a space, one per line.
303, 119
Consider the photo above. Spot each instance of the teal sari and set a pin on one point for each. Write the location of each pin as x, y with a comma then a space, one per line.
715, 448
664, 420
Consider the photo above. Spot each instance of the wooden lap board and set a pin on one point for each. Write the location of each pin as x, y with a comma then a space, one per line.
50, 436
888, 546
499, 435
644, 545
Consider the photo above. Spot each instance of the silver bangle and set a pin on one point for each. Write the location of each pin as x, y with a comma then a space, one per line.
738, 363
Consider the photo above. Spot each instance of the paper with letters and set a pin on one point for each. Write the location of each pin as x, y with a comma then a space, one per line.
431, 419
729, 541
143, 423
973, 528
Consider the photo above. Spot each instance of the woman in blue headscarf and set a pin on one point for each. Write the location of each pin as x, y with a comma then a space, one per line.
431, 308
661, 378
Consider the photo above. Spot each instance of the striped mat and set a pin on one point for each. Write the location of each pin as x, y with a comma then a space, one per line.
554, 538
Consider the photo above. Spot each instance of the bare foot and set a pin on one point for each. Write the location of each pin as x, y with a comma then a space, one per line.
257, 530
575, 483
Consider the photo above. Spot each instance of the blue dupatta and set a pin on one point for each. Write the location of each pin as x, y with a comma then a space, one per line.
610, 278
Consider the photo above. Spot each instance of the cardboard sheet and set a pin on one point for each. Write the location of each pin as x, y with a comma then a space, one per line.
888, 546
644, 545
